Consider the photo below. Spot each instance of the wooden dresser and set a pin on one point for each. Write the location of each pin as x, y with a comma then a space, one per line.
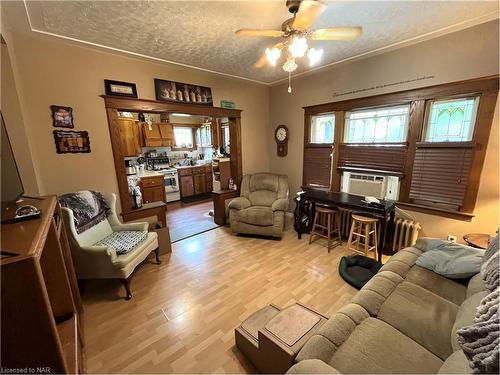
42, 325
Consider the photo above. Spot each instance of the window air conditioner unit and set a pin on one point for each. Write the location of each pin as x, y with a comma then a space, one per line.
368, 185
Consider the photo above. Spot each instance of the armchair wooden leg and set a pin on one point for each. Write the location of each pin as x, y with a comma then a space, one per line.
157, 254
126, 284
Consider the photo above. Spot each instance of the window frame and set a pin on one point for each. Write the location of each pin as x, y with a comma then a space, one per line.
193, 137
486, 88
311, 125
428, 114
376, 108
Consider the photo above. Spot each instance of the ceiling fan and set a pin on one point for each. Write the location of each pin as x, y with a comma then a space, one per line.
295, 32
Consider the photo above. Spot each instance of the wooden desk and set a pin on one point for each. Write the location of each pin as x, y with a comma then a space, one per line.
306, 205
220, 197
158, 209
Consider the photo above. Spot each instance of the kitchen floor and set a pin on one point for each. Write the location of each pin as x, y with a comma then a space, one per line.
188, 219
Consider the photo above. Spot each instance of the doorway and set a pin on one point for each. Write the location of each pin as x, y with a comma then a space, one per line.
191, 151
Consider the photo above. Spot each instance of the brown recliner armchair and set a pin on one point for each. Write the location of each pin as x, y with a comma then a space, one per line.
261, 207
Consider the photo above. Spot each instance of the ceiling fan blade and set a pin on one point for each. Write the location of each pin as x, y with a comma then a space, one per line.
337, 33
309, 10
259, 32
263, 59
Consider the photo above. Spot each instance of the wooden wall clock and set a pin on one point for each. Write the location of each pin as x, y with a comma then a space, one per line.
281, 136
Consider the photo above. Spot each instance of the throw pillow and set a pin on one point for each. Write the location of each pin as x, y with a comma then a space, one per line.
452, 260
480, 341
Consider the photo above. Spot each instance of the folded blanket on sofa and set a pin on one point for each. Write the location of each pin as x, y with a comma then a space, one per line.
480, 341
490, 268
89, 208
449, 259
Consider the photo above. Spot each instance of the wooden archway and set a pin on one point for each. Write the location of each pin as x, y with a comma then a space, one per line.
114, 104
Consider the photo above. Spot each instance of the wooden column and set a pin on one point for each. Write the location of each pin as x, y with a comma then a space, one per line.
118, 157
236, 156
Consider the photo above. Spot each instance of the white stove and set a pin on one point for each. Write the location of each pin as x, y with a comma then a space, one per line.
171, 183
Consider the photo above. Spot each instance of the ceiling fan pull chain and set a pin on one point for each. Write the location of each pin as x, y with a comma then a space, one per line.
289, 82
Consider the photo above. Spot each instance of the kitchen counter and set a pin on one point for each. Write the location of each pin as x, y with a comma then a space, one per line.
147, 173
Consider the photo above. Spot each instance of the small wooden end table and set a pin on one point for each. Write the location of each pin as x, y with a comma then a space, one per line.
220, 197
479, 240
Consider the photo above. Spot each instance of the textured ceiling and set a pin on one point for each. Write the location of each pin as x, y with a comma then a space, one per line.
201, 33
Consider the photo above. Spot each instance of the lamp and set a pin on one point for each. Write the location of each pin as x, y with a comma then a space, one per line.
273, 55
314, 55
298, 47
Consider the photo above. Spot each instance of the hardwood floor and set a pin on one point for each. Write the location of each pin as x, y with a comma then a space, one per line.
185, 220
183, 312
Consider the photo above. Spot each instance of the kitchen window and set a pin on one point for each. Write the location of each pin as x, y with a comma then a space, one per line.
321, 130
451, 120
377, 125
183, 137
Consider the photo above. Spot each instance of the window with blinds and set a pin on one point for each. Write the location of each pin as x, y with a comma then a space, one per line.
441, 174
318, 150
317, 166
377, 125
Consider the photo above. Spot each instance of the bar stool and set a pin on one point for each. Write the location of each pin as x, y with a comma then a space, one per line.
331, 217
359, 225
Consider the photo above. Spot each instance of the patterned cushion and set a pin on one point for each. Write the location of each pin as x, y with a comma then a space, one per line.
123, 241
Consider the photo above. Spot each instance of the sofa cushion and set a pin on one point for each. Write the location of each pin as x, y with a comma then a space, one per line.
465, 316
437, 284
264, 181
312, 366
452, 260
456, 363
422, 316
376, 347
264, 198
476, 285
376, 291
256, 215
123, 241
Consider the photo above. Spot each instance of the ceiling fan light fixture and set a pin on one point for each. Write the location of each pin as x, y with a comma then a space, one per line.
314, 55
298, 46
273, 54
290, 65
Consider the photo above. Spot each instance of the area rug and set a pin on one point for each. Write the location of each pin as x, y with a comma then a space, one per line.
200, 225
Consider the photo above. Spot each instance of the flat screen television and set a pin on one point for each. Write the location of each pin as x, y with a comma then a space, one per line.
11, 184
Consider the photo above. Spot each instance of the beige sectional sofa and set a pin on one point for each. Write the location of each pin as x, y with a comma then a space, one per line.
402, 321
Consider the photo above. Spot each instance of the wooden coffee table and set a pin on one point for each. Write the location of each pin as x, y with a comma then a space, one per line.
272, 337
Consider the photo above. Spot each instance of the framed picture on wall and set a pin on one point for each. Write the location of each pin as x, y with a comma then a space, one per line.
69, 141
62, 117
178, 92
118, 88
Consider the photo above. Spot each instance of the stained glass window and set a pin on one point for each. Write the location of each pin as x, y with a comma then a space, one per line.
322, 129
451, 120
377, 125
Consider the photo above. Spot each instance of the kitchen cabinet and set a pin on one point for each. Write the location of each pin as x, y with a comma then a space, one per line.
187, 186
158, 135
130, 136
199, 183
152, 189
152, 135
195, 180
167, 134
204, 135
